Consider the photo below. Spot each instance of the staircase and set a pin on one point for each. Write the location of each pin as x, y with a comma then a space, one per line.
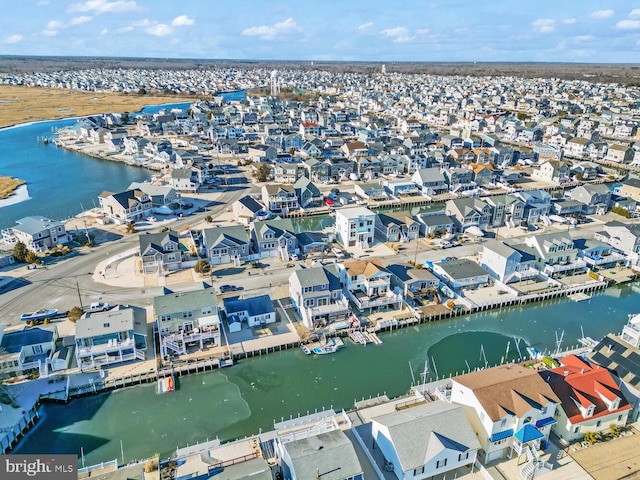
534, 464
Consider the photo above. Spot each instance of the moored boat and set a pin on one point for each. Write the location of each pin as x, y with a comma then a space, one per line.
325, 349
305, 349
166, 384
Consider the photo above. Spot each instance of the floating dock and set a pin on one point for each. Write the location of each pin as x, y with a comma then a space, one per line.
579, 297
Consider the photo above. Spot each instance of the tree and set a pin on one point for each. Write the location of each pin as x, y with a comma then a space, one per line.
74, 314
20, 252
208, 219
32, 257
263, 172
202, 267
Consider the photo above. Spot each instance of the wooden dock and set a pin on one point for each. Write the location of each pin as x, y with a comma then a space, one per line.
579, 297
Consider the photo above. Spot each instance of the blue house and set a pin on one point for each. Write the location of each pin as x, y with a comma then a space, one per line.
255, 311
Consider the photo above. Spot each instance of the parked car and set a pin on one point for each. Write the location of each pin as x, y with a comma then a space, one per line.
328, 202
445, 244
152, 219
97, 307
337, 252
230, 288
294, 256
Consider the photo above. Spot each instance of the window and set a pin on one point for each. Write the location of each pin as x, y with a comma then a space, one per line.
165, 318
543, 410
307, 289
598, 423
207, 311
187, 314
575, 430
37, 349
503, 422
463, 456
418, 471
441, 463
308, 302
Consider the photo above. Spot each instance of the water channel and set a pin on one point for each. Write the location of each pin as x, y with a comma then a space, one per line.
249, 396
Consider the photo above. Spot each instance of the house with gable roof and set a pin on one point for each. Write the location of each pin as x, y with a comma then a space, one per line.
37, 233
510, 408
246, 209
160, 252
274, 238
255, 311
368, 285
469, 212
307, 193
28, 349
590, 398
317, 294
280, 198
594, 198
424, 441
226, 244
507, 262
125, 207
396, 227
430, 180
553, 171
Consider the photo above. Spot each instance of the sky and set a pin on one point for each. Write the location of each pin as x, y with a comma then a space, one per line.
341, 30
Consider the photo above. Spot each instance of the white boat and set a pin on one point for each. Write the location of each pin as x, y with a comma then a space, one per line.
38, 315
325, 349
166, 384
305, 349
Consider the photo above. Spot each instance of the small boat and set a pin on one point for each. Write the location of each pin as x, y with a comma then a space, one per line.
305, 349
325, 349
39, 315
166, 384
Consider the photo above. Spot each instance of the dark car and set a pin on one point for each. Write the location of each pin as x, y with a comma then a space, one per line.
230, 288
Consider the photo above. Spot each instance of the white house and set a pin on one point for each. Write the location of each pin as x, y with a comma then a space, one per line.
355, 227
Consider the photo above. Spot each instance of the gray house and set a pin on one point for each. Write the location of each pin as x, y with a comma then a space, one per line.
396, 227
160, 251
274, 238
37, 233
226, 244
594, 198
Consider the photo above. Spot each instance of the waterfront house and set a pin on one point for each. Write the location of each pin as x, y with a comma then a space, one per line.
505, 210
340, 168
317, 295
619, 153
507, 262
280, 198
430, 180
425, 441
597, 254
537, 204
567, 208
286, 172
37, 233
28, 349
469, 212
159, 194
591, 400
577, 147
314, 242
368, 285
125, 207
414, 282
274, 238
510, 408
254, 311
355, 227
555, 253
160, 252
459, 179
226, 244
625, 237
594, 198
461, 273
553, 171
239, 460
396, 227
246, 209
630, 188
432, 225
113, 336
185, 180
316, 170
307, 193
400, 188
185, 319
371, 190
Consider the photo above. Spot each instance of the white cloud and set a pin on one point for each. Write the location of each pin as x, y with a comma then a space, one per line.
422, 31
543, 25
182, 21
600, 14
635, 13
43, 2
365, 26
13, 38
50, 33
569, 21
159, 30
55, 25
583, 38
126, 29
628, 25
103, 6
145, 22
270, 32
78, 20
395, 32
104, 31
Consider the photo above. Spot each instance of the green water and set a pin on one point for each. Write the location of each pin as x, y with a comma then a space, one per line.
249, 396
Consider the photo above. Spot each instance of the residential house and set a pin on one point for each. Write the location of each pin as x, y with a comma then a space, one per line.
591, 400
430, 180
314, 242
159, 194
125, 207
425, 441
619, 153
624, 237
187, 318
114, 336
185, 180
37, 233
630, 188
307, 193
412, 281
432, 225
254, 311
459, 179
317, 294
577, 147
246, 209
401, 188
396, 227
567, 208
286, 172
260, 153
371, 190
507, 262
553, 171
511, 409
594, 198
555, 253
226, 244
280, 198
160, 252
469, 212
505, 210
537, 204
544, 151
368, 285
316, 170
355, 149
340, 168
274, 238
355, 227
482, 173
461, 273
31, 348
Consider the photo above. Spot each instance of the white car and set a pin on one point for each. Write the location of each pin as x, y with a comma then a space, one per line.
337, 252
294, 257
152, 219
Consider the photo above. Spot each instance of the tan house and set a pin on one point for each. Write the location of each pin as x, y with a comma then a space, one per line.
125, 207
619, 153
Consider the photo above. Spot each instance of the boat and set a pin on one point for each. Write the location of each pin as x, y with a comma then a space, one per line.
325, 349
166, 384
305, 349
39, 315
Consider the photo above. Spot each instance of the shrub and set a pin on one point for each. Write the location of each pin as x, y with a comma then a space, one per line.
74, 314
20, 252
619, 210
151, 465
202, 266
208, 219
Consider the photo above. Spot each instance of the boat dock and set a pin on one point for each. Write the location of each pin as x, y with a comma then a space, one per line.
579, 297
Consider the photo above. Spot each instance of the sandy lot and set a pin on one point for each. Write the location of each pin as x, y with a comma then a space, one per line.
30, 104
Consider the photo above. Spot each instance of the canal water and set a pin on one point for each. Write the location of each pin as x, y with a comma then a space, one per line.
60, 183
251, 395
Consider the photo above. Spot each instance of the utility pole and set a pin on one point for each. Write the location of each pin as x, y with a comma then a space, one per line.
79, 296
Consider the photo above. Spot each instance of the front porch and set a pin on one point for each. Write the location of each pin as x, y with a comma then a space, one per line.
364, 301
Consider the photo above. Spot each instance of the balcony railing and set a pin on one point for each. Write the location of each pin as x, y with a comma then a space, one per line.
363, 301
339, 306
192, 336
557, 268
112, 346
613, 257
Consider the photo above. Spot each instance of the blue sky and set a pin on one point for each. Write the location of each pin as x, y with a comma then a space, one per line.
366, 30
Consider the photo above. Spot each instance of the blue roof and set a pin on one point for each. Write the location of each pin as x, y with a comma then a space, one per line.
545, 421
13, 342
501, 435
253, 306
528, 433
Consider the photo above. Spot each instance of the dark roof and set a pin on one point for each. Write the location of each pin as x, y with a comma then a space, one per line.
156, 241
251, 203
254, 306
12, 342
619, 357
